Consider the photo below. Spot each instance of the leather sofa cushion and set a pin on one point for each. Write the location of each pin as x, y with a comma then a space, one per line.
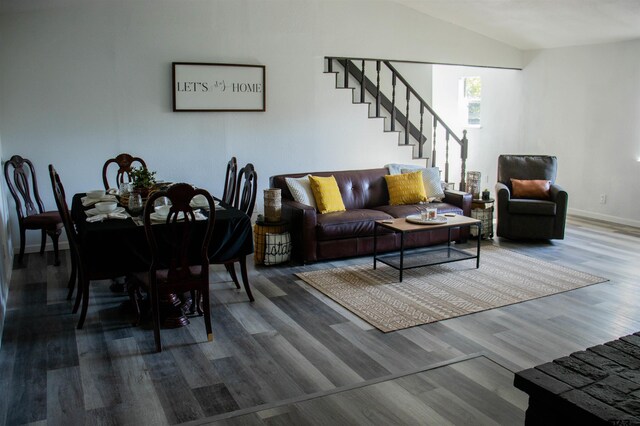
360, 189
409, 209
348, 224
532, 207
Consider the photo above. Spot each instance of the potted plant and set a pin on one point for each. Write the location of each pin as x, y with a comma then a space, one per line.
143, 180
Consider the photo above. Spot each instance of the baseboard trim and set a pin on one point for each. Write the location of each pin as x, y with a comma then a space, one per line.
35, 248
604, 217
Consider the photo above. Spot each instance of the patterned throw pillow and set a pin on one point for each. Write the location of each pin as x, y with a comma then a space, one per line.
277, 248
327, 194
432, 184
300, 189
406, 188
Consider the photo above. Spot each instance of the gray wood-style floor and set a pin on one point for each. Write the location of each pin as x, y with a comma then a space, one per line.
295, 357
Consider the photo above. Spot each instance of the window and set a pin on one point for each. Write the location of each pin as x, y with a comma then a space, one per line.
472, 97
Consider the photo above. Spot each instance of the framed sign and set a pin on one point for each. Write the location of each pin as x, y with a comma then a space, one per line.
218, 87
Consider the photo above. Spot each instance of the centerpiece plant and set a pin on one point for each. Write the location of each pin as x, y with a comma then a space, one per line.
143, 180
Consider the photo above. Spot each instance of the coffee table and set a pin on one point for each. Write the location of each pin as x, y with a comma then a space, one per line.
427, 257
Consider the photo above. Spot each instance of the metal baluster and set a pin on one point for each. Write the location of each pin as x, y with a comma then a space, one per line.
378, 97
346, 73
393, 102
463, 156
362, 85
433, 152
420, 141
407, 123
446, 158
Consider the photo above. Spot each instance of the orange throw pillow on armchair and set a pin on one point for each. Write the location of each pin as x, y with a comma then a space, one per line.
531, 188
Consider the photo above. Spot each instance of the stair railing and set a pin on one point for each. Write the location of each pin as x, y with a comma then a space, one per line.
350, 68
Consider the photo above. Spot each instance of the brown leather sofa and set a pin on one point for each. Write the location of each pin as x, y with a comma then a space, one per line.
350, 233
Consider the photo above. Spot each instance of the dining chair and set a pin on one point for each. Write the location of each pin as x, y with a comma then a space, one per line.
230, 181
171, 243
246, 190
125, 163
23, 186
245, 200
77, 267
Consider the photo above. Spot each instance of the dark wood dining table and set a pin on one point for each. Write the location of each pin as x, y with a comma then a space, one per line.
118, 247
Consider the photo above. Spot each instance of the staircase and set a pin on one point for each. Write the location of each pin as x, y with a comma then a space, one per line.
412, 117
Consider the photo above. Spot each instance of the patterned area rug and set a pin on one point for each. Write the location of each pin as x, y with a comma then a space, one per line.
439, 292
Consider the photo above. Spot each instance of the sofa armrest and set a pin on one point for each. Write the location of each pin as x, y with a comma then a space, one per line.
502, 192
558, 195
302, 219
503, 195
561, 198
459, 199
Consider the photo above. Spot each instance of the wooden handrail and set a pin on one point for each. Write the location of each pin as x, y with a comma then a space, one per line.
350, 68
389, 105
422, 101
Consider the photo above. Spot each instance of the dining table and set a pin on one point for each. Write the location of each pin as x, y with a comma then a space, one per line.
117, 247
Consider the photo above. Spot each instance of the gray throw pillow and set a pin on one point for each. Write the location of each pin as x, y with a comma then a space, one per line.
396, 169
432, 184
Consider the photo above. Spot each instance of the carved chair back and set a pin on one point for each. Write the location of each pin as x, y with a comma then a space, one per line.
125, 163
63, 209
174, 245
230, 181
23, 186
246, 190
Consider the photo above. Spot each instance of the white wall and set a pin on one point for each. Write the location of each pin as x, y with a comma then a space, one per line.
500, 131
582, 104
85, 80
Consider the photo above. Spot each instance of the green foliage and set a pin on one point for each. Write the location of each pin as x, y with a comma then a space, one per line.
143, 177
472, 87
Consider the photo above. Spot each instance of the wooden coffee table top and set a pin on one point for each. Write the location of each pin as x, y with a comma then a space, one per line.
401, 224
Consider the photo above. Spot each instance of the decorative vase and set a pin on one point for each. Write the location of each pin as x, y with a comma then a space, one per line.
272, 205
144, 192
473, 184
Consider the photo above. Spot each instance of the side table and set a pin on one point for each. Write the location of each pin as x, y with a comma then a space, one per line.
483, 210
260, 231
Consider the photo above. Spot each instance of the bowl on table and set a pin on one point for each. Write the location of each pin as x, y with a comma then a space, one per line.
106, 206
162, 210
96, 193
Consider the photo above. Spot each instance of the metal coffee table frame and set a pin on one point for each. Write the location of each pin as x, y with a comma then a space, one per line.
425, 257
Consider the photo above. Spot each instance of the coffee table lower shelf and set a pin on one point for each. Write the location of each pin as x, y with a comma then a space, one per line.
419, 258
428, 257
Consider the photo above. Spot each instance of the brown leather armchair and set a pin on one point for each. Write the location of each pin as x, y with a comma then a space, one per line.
528, 218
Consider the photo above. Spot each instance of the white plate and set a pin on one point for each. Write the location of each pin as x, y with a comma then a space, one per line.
160, 218
201, 203
88, 201
94, 211
416, 218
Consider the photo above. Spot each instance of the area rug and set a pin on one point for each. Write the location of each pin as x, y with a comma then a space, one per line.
439, 292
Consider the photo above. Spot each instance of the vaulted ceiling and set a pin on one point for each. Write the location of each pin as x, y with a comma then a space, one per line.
539, 24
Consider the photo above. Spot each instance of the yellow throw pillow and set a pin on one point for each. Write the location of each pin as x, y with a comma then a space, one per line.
327, 194
406, 189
